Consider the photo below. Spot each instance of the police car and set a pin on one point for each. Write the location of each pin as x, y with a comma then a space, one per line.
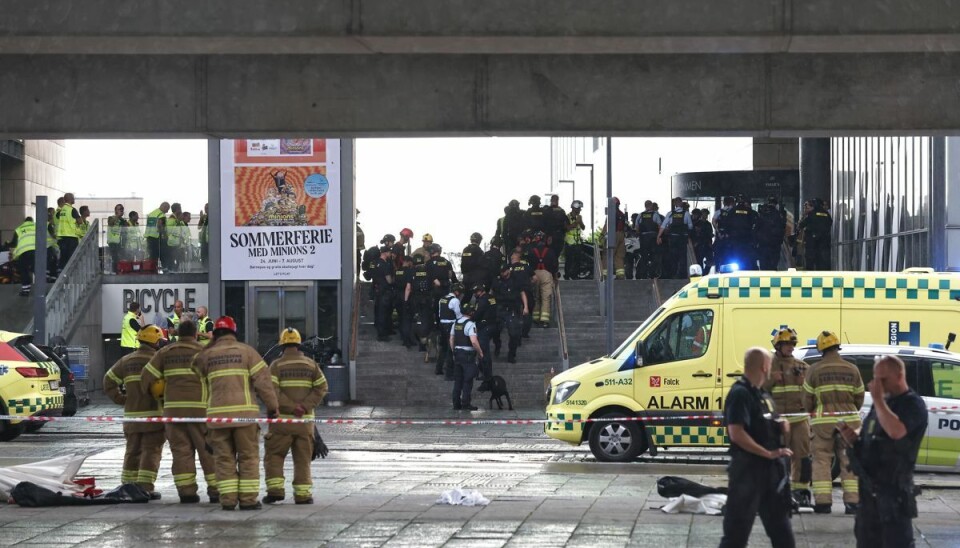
29, 383
933, 373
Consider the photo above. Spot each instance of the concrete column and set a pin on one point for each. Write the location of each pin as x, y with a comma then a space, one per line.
214, 285
348, 259
814, 169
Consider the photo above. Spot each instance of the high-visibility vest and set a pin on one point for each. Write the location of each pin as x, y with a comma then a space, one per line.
174, 322
26, 238
173, 231
66, 225
185, 237
132, 237
153, 222
572, 236
82, 228
114, 232
128, 335
203, 234
201, 325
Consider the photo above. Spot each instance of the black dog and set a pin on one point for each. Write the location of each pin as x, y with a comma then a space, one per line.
497, 387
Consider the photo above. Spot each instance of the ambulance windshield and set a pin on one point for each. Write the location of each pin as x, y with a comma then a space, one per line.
630, 341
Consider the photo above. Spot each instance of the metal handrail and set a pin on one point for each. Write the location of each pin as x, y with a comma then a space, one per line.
598, 278
66, 302
564, 349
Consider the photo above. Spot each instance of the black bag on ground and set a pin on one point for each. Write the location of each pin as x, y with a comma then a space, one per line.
673, 486
319, 448
31, 495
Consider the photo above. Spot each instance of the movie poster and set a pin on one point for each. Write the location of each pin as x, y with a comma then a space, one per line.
280, 201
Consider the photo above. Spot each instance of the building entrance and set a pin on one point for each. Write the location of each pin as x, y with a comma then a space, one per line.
277, 306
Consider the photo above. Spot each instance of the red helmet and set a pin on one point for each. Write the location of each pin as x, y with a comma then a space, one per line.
225, 322
406, 232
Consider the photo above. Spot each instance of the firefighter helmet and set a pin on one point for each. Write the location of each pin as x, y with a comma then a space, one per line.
406, 232
157, 388
827, 340
428, 238
784, 335
290, 336
150, 334
225, 322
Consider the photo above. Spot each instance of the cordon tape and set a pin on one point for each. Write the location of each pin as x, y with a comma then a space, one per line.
447, 422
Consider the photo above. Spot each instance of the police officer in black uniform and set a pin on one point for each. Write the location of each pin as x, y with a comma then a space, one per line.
512, 307
382, 275
513, 225
535, 217
493, 258
816, 236
424, 320
448, 311
771, 225
678, 225
883, 456
440, 272
472, 265
702, 239
739, 224
465, 346
721, 244
523, 276
648, 225
403, 302
555, 225
487, 326
759, 478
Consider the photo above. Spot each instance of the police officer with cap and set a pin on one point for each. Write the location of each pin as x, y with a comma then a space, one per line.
487, 326
382, 274
512, 308
883, 454
465, 346
424, 319
448, 312
758, 478
513, 225
678, 225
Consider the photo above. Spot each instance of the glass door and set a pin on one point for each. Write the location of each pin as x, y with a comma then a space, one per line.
277, 307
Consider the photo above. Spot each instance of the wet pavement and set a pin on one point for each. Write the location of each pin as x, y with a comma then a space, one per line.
380, 483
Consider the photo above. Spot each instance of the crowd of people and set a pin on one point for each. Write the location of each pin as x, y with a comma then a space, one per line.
164, 238
654, 245
207, 372
787, 423
509, 287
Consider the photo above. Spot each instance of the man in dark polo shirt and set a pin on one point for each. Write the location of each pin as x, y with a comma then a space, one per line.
759, 479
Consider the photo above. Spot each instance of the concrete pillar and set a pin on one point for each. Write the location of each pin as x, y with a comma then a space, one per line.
348, 258
814, 169
214, 285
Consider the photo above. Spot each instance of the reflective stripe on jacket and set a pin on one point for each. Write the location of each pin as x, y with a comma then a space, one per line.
136, 402
233, 371
183, 395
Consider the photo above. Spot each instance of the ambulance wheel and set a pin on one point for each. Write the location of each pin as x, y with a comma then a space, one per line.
616, 441
8, 431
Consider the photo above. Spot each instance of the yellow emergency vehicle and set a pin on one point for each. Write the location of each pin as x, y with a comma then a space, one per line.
29, 383
676, 368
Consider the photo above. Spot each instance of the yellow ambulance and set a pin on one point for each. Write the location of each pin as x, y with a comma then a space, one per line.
29, 383
676, 368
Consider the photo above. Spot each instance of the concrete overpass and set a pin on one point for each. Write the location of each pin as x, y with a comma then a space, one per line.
228, 68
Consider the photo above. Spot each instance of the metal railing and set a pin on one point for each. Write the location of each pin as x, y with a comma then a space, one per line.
355, 320
67, 300
564, 349
597, 270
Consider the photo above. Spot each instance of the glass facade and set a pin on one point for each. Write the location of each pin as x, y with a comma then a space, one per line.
881, 188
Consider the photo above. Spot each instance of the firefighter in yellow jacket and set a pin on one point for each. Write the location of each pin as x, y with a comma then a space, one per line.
833, 392
300, 388
786, 386
232, 371
169, 376
144, 440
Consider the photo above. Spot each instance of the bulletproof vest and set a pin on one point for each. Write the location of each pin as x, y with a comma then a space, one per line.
439, 269
535, 218
818, 224
493, 259
369, 256
677, 225
507, 291
472, 258
486, 310
444, 305
762, 428
770, 225
647, 223
459, 337
421, 282
737, 222
399, 279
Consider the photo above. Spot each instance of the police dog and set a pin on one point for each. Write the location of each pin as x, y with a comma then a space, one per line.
497, 387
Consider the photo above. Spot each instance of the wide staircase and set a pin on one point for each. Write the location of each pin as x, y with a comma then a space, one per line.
586, 328
390, 375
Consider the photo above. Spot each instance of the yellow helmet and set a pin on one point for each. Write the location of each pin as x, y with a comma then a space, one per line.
150, 334
784, 335
427, 237
157, 388
290, 336
827, 340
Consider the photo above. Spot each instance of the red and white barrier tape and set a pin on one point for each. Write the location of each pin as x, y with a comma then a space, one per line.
717, 417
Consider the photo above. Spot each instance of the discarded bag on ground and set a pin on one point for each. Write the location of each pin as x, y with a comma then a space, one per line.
710, 504
463, 497
31, 495
673, 486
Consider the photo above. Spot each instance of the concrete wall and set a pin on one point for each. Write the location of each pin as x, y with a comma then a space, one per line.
776, 153
43, 171
88, 334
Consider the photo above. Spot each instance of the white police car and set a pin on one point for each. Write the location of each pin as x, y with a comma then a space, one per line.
933, 373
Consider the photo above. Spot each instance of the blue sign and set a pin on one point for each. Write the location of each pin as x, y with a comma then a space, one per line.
316, 186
